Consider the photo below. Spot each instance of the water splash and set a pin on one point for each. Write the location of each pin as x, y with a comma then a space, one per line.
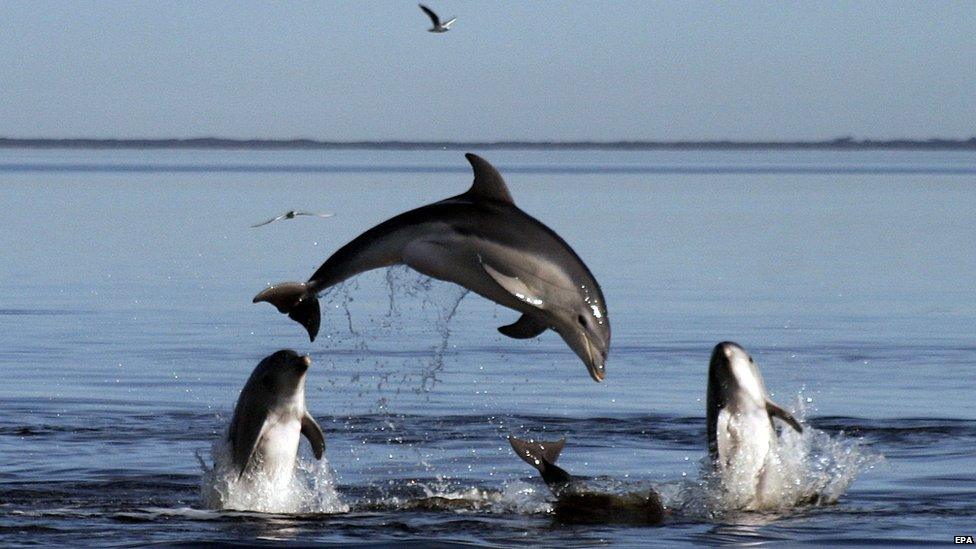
311, 489
428, 311
515, 497
808, 468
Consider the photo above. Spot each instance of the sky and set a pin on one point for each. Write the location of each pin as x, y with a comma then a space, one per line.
509, 70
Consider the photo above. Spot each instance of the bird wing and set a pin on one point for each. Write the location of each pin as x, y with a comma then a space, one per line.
430, 13
316, 214
449, 23
272, 220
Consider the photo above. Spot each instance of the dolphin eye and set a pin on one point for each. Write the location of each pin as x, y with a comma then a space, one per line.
582, 320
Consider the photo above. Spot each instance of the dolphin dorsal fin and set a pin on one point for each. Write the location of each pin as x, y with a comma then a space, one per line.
488, 183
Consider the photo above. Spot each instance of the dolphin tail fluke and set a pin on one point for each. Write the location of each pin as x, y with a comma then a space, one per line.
294, 299
537, 454
775, 411
542, 455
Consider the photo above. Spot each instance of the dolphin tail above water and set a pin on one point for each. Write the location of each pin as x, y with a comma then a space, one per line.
542, 455
578, 504
294, 299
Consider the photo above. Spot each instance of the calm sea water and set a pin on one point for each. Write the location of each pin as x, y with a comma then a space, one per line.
127, 330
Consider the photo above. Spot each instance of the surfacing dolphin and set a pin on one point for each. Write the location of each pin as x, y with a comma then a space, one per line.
578, 503
741, 439
270, 418
480, 240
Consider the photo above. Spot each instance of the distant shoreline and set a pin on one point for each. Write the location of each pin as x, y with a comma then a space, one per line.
311, 144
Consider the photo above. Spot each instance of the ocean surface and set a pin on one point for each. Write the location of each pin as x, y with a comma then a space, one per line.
127, 331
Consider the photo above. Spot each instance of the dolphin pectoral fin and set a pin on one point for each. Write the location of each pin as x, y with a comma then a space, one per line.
526, 327
312, 431
488, 183
245, 449
514, 286
294, 299
774, 410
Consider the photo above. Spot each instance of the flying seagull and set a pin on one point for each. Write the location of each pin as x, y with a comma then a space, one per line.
292, 215
438, 26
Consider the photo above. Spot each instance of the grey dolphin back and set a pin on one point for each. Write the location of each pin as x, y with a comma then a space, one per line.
312, 431
245, 432
715, 401
775, 411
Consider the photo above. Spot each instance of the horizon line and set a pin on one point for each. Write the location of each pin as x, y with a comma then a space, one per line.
839, 143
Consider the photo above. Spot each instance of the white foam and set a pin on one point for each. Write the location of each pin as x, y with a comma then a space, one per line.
310, 490
516, 497
429, 303
809, 468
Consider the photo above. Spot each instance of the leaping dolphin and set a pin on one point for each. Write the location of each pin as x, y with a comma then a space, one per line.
480, 240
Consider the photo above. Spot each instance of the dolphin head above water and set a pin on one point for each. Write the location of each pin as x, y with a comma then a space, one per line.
736, 374
279, 377
584, 326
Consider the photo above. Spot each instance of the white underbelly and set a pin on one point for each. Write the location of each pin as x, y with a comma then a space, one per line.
463, 260
278, 451
747, 461
458, 260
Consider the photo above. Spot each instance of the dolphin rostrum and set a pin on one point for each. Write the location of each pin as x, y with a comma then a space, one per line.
741, 439
480, 240
578, 503
270, 418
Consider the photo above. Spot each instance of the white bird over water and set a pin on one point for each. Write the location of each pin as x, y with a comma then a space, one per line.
438, 26
292, 214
